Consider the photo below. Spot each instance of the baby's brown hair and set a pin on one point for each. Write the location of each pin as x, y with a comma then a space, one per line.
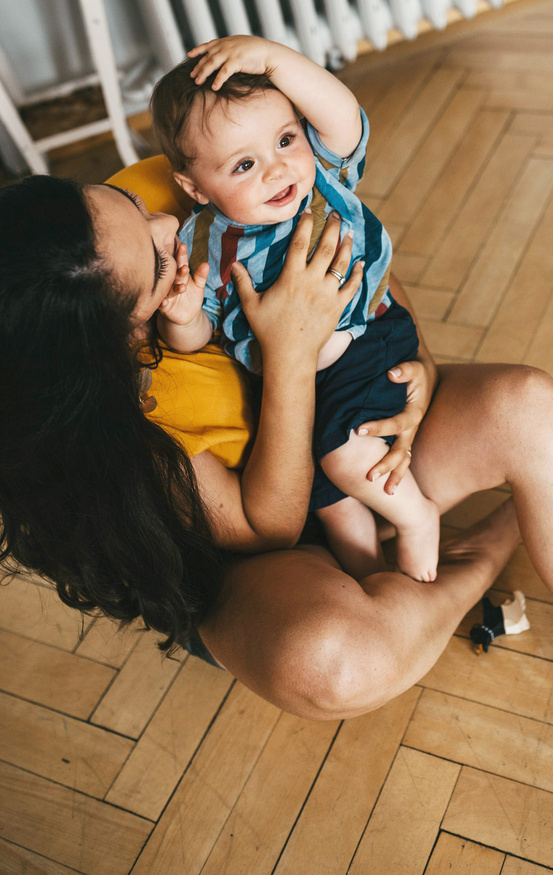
176, 93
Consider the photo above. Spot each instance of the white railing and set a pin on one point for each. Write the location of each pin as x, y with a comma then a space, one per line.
328, 31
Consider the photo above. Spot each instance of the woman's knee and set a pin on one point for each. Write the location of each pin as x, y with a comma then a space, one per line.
303, 635
335, 669
523, 416
520, 389
484, 419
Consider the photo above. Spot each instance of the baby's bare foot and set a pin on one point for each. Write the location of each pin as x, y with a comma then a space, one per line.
417, 545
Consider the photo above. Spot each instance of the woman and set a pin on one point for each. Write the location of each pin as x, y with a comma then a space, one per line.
105, 503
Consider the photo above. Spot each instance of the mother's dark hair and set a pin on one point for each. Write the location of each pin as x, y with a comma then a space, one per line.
93, 495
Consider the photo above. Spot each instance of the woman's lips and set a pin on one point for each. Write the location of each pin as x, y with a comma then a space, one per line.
284, 197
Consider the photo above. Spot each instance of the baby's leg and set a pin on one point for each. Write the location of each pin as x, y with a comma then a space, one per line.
414, 516
352, 536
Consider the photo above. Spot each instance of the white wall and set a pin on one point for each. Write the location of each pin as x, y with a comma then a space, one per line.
44, 42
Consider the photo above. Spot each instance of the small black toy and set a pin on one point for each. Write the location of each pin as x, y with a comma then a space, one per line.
507, 619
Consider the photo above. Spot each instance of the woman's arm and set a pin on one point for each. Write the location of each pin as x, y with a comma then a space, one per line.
421, 377
265, 507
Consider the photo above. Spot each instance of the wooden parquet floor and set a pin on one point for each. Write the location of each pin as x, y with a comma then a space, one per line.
114, 761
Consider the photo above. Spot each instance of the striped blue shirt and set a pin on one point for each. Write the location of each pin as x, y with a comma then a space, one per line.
210, 236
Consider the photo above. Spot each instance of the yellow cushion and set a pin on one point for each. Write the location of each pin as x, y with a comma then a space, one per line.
202, 398
153, 180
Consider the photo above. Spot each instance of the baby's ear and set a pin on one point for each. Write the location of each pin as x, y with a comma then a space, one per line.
189, 186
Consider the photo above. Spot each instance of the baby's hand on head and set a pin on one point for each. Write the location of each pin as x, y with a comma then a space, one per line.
233, 54
184, 301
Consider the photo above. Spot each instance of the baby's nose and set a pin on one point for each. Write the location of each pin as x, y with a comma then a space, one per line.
275, 169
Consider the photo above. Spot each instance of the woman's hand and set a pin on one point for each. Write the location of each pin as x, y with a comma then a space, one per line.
297, 315
421, 378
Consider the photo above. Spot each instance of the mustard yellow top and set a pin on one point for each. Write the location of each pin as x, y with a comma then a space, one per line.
203, 402
202, 398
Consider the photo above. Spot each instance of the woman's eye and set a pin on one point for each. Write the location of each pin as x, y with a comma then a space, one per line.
243, 166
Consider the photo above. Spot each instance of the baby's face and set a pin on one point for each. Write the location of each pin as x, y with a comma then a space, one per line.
254, 162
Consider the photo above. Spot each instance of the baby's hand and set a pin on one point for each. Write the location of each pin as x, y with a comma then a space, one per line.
184, 301
233, 54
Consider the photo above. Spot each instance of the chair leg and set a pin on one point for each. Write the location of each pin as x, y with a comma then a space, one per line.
94, 16
19, 133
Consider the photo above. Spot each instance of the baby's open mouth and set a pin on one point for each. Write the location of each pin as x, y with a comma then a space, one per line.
283, 197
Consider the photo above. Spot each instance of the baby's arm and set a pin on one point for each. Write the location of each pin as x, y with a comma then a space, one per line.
181, 322
318, 95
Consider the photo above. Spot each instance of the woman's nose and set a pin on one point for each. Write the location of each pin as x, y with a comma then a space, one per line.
165, 224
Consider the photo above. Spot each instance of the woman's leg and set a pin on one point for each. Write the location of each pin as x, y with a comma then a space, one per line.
298, 631
487, 425
302, 634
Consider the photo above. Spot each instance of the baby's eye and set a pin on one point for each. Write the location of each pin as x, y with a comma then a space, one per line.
243, 166
285, 141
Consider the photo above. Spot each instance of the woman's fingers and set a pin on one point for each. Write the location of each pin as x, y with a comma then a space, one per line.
349, 288
328, 243
296, 256
244, 286
326, 252
410, 416
385, 427
342, 259
394, 464
335, 260
404, 425
404, 372
304, 305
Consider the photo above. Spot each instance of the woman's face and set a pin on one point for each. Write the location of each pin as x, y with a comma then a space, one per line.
139, 247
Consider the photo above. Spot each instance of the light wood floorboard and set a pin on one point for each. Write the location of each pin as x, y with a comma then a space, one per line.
116, 761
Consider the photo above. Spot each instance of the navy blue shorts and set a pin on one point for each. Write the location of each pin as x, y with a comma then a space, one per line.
356, 389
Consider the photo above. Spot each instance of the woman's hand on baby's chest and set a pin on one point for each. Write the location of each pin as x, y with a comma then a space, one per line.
300, 311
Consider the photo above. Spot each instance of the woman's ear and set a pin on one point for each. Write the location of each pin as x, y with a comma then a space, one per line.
189, 186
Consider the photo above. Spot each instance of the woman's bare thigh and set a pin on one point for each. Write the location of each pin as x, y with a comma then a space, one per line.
477, 420
487, 425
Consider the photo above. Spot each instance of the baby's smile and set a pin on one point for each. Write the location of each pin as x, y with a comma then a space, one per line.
284, 197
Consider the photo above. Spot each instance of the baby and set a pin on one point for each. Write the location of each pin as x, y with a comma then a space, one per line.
230, 125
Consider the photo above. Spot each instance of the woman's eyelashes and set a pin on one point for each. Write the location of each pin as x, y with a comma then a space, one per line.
162, 264
137, 201
131, 195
